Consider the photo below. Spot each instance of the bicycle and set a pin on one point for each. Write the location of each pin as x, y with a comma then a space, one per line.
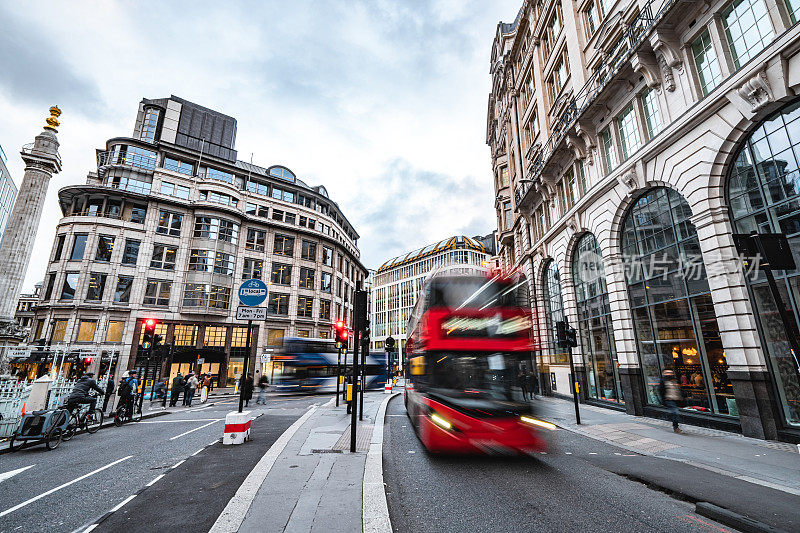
121, 414
82, 418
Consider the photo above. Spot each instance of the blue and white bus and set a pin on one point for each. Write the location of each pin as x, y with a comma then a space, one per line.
309, 366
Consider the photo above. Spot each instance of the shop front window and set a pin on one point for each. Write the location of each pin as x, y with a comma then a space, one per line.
764, 196
673, 315
594, 321
554, 311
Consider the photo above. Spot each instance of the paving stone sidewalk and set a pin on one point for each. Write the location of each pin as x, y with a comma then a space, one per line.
315, 484
768, 463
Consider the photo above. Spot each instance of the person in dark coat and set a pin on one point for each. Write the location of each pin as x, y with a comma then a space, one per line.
177, 389
248, 390
109, 392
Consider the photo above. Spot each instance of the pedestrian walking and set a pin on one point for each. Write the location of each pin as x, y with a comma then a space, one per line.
191, 387
127, 389
109, 392
247, 392
177, 389
522, 382
671, 395
205, 383
263, 382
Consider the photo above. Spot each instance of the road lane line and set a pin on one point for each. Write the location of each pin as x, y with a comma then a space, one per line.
154, 481
233, 515
121, 504
176, 465
195, 429
12, 473
67, 484
90, 528
179, 420
374, 507
198, 451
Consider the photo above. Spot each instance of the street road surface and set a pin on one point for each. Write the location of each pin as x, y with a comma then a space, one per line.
68, 488
558, 491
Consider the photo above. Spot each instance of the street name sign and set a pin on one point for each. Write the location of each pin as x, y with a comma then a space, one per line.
251, 313
252, 292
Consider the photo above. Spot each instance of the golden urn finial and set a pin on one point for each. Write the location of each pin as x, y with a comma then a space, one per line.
52, 120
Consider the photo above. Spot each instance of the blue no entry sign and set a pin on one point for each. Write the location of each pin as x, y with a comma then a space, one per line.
253, 292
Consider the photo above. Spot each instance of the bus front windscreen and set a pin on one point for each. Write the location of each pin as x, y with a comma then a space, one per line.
473, 292
476, 379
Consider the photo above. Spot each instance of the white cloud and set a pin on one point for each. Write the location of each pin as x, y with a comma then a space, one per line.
379, 101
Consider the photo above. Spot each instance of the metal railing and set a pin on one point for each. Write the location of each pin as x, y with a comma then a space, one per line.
131, 160
617, 58
13, 396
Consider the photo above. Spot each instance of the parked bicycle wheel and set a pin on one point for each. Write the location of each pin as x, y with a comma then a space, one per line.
53, 438
93, 421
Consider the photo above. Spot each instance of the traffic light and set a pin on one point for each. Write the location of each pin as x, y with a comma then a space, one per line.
566, 337
342, 333
149, 332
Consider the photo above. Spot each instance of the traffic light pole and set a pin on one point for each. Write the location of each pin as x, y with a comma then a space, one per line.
243, 378
354, 399
338, 373
574, 380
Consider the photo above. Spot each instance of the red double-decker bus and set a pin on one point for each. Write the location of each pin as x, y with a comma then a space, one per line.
469, 364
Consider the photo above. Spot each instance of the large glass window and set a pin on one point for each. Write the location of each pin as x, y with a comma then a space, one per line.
554, 311
673, 315
206, 295
150, 123
307, 278
95, 286
748, 29
705, 59
281, 274
793, 6
256, 240
122, 293
764, 196
178, 166
253, 268
163, 257
169, 223
594, 321
131, 252
652, 113
283, 245
309, 251
173, 189
608, 150
105, 247
628, 132
78, 247
157, 292
70, 285
216, 228
278, 304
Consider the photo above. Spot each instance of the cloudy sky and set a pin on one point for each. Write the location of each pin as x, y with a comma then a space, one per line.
383, 102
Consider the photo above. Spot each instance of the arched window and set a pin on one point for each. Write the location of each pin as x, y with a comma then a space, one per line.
554, 311
764, 196
594, 321
673, 315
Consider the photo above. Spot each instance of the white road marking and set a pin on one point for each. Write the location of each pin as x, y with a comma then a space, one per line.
213, 442
195, 429
12, 473
198, 451
176, 465
154, 481
67, 484
200, 408
121, 504
90, 528
374, 508
180, 420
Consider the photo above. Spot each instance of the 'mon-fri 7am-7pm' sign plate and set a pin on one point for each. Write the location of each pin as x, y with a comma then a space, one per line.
252, 292
251, 313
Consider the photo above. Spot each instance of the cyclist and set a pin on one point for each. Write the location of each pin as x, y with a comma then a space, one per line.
126, 391
80, 393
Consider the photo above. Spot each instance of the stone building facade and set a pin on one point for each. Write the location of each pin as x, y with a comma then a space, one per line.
8, 193
169, 226
630, 140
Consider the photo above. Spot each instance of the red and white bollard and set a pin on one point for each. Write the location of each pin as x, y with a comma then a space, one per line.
387, 388
237, 427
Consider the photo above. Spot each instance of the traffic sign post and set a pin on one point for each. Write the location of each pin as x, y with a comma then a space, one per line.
251, 313
252, 293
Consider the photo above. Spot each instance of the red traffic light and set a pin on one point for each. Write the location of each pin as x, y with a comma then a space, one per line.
345, 334
87, 360
150, 323
339, 324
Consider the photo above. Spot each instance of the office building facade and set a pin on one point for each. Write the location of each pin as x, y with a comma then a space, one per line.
169, 226
630, 140
397, 282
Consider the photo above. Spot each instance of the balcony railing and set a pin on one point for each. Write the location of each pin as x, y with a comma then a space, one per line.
649, 15
127, 159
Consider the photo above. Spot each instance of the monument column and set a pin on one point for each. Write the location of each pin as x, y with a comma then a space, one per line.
41, 162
